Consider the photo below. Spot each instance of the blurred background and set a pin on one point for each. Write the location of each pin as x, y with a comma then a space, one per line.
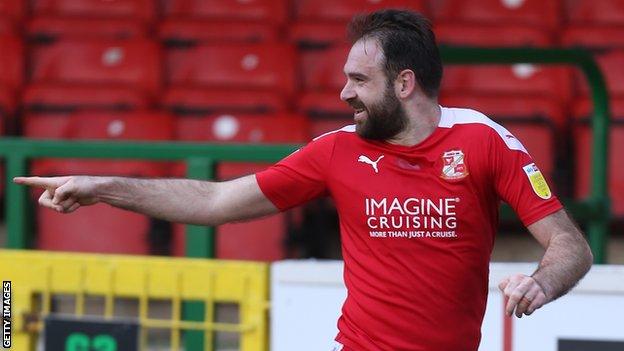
270, 71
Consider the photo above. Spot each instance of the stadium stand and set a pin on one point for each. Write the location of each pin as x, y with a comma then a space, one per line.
50, 98
46, 29
267, 11
481, 35
189, 31
110, 230
7, 27
589, 36
12, 62
263, 238
132, 64
144, 10
319, 23
595, 11
611, 63
268, 67
541, 14
342, 11
518, 79
583, 141
199, 101
13, 9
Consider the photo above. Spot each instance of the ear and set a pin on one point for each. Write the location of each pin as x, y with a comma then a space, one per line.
406, 83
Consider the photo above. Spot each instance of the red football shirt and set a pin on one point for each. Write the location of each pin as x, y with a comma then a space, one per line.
417, 225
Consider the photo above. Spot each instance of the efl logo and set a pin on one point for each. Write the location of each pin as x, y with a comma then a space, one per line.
6, 314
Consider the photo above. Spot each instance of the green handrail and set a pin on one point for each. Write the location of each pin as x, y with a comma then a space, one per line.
201, 158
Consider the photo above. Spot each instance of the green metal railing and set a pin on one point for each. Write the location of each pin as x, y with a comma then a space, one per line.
201, 158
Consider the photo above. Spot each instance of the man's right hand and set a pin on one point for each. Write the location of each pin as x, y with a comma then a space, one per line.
64, 194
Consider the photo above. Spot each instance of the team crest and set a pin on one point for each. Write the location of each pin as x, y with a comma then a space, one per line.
454, 165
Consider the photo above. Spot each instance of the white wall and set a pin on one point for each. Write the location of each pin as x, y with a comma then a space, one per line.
307, 297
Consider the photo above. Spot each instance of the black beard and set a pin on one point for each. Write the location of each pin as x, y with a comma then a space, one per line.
384, 119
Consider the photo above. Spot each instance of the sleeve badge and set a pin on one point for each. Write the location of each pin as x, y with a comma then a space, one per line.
538, 183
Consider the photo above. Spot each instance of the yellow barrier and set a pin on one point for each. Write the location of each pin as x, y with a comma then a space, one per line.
38, 276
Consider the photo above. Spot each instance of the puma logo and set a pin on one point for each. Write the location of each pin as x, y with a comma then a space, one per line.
365, 159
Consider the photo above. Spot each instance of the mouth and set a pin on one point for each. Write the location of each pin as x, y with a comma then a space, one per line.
359, 114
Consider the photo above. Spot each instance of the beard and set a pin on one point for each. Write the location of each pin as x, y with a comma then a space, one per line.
385, 118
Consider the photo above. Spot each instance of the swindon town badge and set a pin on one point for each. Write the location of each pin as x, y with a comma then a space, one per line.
454, 165
538, 183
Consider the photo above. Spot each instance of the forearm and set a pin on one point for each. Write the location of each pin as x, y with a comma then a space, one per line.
175, 200
566, 260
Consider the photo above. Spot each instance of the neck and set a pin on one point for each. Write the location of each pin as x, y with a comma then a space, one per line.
423, 117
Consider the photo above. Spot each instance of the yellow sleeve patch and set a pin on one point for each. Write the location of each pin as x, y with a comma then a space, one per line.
538, 183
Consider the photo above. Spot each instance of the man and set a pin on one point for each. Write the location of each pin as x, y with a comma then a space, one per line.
417, 188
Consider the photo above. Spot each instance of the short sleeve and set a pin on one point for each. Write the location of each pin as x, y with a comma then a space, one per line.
519, 181
300, 177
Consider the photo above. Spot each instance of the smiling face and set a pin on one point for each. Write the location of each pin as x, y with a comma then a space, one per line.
378, 113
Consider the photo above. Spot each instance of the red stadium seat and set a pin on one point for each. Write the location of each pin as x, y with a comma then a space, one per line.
46, 28
518, 79
530, 119
264, 237
583, 154
323, 69
202, 31
46, 125
595, 11
99, 229
268, 67
342, 11
599, 37
13, 9
613, 70
268, 11
202, 101
114, 63
137, 9
11, 62
481, 35
50, 97
539, 13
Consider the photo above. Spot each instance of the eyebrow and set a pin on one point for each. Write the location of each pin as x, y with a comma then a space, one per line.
355, 75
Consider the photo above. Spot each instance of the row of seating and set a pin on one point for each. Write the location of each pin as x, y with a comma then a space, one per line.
114, 231
530, 12
137, 67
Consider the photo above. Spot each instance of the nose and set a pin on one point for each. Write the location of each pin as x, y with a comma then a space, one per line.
347, 92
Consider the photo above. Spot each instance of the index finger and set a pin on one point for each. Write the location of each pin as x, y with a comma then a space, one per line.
42, 182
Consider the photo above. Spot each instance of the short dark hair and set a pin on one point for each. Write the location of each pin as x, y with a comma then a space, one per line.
407, 42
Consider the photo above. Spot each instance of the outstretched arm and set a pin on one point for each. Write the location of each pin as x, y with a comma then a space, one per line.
565, 262
176, 200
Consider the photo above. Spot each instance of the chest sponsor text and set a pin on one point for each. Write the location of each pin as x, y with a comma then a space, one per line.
412, 217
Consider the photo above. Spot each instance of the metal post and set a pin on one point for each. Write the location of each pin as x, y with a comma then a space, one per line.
200, 242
